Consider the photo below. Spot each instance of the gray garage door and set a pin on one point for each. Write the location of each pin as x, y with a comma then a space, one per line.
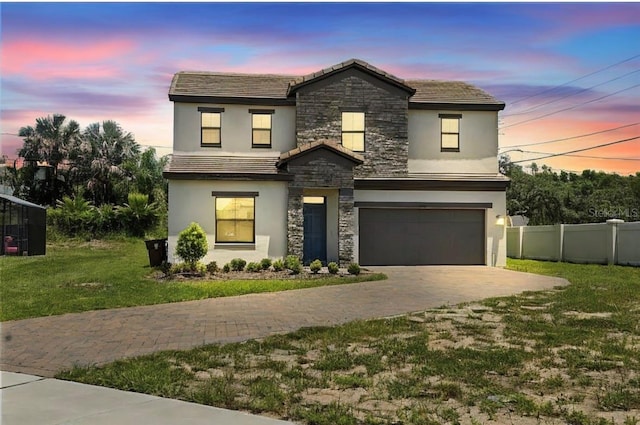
397, 237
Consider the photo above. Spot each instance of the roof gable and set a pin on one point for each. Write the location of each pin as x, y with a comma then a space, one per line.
330, 146
343, 66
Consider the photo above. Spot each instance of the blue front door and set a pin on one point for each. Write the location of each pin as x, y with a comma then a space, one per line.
315, 230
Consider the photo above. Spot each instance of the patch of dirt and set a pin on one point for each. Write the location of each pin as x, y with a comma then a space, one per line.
541, 382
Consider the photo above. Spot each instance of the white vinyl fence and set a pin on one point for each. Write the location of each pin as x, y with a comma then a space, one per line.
613, 242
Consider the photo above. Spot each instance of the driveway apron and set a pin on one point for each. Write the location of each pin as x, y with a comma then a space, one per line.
44, 346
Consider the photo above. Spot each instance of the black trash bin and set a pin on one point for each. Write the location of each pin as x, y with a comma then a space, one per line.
157, 249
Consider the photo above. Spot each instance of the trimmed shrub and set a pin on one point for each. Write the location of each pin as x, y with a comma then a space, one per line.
289, 259
198, 268
254, 267
237, 264
333, 268
354, 269
212, 267
265, 263
226, 268
315, 266
278, 265
192, 245
293, 263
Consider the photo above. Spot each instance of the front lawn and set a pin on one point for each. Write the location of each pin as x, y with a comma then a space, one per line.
563, 356
78, 276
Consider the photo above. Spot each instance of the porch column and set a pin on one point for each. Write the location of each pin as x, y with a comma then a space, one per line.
345, 226
295, 222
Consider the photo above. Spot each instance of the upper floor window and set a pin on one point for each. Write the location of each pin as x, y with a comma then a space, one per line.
235, 218
261, 128
353, 131
210, 126
450, 132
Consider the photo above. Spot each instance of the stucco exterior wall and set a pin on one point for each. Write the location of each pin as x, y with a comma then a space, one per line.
192, 201
235, 128
478, 143
496, 246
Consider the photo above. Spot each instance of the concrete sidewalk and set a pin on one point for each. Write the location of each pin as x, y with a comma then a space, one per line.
46, 345
31, 400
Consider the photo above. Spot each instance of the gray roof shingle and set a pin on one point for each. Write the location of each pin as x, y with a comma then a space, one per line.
279, 87
224, 166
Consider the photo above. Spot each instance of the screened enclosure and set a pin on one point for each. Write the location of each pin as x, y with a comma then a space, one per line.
24, 227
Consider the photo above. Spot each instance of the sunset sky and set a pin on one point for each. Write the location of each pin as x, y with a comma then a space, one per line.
563, 69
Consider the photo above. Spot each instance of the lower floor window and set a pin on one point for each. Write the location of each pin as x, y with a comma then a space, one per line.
235, 219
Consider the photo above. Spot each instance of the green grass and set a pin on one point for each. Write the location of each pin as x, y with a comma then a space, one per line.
78, 276
540, 363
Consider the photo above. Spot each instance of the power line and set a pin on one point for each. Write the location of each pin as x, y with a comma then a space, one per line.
578, 150
572, 107
577, 79
526, 111
571, 138
586, 156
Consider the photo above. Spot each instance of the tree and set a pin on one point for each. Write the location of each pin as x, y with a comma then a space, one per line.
47, 149
147, 176
109, 148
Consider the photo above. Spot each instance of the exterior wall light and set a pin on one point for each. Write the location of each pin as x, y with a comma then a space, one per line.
500, 220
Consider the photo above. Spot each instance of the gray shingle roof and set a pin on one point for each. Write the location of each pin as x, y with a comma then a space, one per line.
435, 91
224, 166
216, 84
279, 87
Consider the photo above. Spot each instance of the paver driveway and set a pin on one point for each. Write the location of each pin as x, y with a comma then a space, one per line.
46, 345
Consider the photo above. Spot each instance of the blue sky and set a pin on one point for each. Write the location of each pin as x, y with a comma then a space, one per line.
98, 61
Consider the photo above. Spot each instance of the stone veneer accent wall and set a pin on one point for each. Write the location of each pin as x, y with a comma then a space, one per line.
345, 227
321, 169
295, 222
319, 108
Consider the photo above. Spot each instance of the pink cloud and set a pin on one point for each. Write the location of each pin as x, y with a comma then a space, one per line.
46, 59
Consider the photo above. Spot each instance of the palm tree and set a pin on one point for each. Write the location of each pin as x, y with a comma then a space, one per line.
47, 150
110, 148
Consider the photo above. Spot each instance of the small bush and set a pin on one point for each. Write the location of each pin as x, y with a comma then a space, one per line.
265, 263
333, 268
197, 268
254, 267
226, 268
278, 265
237, 264
212, 267
293, 263
315, 266
354, 269
138, 215
290, 259
192, 244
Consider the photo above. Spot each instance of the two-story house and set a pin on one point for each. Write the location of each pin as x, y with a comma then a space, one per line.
347, 164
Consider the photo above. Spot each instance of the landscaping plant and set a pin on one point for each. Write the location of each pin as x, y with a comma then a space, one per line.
192, 245
237, 264
333, 267
315, 266
354, 269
